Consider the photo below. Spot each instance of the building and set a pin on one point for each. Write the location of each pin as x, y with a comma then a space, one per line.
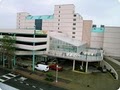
28, 42
61, 46
86, 34
111, 41
97, 36
36, 42
64, 19
106, 38
64, 32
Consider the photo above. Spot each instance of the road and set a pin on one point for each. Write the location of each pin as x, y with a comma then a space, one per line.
22, 83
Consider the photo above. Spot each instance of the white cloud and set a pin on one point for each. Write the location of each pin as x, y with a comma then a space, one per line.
100, 11
7, 7
53, 2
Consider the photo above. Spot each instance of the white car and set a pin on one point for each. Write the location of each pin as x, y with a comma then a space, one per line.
42, 67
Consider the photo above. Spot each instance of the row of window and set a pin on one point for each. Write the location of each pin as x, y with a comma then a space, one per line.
72, 28
73, 23
73, 15
73, 19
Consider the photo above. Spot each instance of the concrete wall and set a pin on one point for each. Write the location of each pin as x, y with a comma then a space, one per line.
97, 40
87, 26
21, 21
111, 43
97, 36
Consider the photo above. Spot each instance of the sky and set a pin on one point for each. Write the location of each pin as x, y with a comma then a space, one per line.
102, 12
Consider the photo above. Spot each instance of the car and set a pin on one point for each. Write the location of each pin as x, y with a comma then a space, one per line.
54, 67
42, 67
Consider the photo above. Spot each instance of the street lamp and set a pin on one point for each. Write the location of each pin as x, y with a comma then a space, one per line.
56, 73
33, 51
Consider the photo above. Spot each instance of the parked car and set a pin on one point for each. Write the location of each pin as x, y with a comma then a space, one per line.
54, 67
42, 67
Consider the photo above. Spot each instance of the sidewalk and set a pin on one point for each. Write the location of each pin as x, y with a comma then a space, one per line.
113, 60
115, 64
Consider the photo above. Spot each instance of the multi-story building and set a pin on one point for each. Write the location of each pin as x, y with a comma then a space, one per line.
106, 38
64, 20
28, 42
111, 41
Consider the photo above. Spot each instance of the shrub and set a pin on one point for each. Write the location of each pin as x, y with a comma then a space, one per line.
49, 77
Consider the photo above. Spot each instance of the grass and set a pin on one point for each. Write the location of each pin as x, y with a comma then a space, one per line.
94, 81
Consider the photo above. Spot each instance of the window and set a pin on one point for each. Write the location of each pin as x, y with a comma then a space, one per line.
74, 19
73, 36
58, 19
74, 23
58, 23
59, 6
74, 15
59, 16
74, 28
59, 11
73, 32
58, 27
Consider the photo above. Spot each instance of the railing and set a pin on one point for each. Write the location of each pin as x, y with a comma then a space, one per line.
110, 69
75, 56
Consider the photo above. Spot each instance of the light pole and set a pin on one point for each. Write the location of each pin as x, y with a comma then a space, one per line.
56, 73
86, 63
33, 52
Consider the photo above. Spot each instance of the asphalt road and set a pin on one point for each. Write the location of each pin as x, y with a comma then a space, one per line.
2, 71
27, 84
30, 84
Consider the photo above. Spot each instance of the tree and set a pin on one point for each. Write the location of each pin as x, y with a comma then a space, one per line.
8, 48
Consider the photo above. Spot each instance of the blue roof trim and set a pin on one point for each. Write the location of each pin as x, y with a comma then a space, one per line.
44, 17
98, 30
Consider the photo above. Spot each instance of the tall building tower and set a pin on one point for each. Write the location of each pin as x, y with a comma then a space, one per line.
67, 21
64, 20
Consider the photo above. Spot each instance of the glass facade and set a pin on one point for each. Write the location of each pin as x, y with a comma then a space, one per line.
58, 45
60, 48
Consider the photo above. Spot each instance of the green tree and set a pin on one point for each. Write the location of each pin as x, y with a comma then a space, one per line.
8, 49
